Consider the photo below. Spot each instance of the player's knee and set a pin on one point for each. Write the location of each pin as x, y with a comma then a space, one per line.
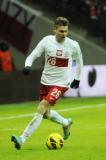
43, 107
46, 114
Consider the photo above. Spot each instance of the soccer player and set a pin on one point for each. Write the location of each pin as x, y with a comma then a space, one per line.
59, 52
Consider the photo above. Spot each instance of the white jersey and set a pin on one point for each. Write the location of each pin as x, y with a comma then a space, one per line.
58, 60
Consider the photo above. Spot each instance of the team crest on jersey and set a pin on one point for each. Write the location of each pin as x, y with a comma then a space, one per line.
59, 52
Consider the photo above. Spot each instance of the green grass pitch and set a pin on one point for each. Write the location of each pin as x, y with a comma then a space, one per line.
88, 132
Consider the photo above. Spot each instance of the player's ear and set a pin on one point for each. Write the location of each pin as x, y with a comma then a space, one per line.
54, 29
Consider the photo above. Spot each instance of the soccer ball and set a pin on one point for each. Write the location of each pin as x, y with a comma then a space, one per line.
54, 141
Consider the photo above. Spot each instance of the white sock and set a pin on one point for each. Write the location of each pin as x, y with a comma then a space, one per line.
32, 126
56, 117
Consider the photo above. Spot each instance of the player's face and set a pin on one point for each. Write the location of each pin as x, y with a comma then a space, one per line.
61, 32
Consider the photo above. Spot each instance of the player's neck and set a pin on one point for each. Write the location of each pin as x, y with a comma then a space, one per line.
59, 40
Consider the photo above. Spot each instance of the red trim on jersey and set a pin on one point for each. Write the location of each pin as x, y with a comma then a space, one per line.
56, 61
61, 62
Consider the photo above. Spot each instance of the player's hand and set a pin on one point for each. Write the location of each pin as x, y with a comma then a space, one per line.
75, 84
26, 70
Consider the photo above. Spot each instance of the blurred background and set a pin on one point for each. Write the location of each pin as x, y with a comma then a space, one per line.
24, 22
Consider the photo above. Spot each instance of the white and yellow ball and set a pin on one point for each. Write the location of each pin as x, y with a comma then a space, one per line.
54, 141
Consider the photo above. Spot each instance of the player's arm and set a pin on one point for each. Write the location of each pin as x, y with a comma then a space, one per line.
32, 57
79, 64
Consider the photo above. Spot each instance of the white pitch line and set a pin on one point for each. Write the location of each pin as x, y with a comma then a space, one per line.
92, 128
9, 129
17, 116
84, 128
83, 107
60, 110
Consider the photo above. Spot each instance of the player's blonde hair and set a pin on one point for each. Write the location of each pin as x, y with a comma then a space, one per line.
61, 21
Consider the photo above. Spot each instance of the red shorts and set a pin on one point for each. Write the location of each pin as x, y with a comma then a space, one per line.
51, 93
